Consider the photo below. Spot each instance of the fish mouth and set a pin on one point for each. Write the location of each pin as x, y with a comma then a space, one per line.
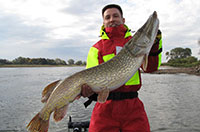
154, 22
154, 14
150, 28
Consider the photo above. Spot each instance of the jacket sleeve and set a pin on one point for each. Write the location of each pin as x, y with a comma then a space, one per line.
92, 58
154, 58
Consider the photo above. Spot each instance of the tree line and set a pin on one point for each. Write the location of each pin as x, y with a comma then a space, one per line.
176, 57
181, 57
40, 61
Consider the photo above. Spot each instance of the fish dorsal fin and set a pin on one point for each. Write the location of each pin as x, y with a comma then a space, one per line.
103, 95
60, 113
48, 90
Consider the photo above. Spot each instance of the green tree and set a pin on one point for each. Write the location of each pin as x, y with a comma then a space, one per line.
167, 55
191, 59
4, 61
34, 61
70, 62
79, 62
21, 60
60, 62
187, 53
42, 61
84, 63
179, 53
51, 62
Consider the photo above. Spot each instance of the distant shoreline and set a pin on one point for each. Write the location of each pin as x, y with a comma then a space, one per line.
162, 70
177, 70
18, 66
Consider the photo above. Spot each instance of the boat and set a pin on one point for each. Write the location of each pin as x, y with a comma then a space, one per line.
78, 126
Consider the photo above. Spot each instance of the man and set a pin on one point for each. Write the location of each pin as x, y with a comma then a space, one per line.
123, 111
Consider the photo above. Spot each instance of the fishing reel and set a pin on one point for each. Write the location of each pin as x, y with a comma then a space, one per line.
78, 126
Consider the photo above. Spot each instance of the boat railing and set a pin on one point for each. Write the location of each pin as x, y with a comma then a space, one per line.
78, 126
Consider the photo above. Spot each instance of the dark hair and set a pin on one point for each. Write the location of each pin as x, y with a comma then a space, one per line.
112, 6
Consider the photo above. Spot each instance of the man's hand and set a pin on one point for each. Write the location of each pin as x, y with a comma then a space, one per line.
86, 90
158, 37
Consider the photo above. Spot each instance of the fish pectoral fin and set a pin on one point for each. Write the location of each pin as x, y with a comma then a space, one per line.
103, 95
145, 62
60, 113
48, 90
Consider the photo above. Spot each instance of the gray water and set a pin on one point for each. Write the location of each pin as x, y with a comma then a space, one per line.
172, 102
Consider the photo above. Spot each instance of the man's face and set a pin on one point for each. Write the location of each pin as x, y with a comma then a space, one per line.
112, 18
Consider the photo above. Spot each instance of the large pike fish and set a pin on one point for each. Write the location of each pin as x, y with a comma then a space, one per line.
102, 78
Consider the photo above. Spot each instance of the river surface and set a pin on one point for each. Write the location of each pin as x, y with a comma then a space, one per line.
172, 101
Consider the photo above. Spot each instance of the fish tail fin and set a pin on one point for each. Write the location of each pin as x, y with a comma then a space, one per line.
38, 124
60, 113
48, 90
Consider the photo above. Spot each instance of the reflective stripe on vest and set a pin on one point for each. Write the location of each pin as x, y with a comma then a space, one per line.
160, 55
92, 59
135, 79
108, 57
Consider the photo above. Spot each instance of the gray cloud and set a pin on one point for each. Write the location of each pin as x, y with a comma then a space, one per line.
76, 48
32, 41
13, 27
80, 7
18, 38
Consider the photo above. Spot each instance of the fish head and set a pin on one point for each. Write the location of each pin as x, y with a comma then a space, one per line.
144, 38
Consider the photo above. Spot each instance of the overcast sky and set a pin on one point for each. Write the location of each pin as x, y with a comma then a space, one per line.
66, 29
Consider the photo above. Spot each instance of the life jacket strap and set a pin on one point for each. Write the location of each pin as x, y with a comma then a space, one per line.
113, 96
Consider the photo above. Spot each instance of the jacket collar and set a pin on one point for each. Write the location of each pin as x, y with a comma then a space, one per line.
110, 32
